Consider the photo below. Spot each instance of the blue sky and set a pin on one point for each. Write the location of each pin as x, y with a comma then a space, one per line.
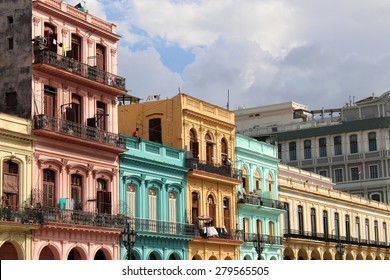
318, 53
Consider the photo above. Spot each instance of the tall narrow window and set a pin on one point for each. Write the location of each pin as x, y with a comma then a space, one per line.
209, 149
300, 219
224, 152
338, 175
101, 63
49, 188
259, 226
152, 209
76, 107
373, 171
337, 225
367, 230
101, 115
49, 102
372, 141
313, 220
211, 206
357, 228
226, 213
270, 185
279, 151
376, 232
155, 130
11, 100
271, 227
355, 173
11, 183
131, 200
194, 144
307, 149
347, 228
338, 150
195, 206
51, 37
103, 197
75, 50
322, 147
11, 43
287, 217
326, 224
246, 229
245, 183
353, 144
172, 207
384, 232
76, 192
258, 183
292, 150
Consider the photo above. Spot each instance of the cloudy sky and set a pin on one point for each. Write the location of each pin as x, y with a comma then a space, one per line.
318, 53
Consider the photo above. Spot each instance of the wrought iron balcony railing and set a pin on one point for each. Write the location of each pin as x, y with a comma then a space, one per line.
161, 227
80, 69
21, 214
261, 201
81, 131
294, 233
218, 169
268, 239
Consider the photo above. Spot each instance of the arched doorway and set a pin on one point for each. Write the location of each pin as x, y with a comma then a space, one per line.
154, 256
327, 256
8, 251
213, 258
315, 255
228, 258
100, 255
302, 255
46, 254
359, 257
196, 258
349, 256
74, 254
174, 256
288, 254
247, 258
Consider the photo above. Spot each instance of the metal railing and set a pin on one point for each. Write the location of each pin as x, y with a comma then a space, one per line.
80, 69
231, 234
260, 201
21, 214
161, 227
268, 239
81, 131
294, 233
218, 169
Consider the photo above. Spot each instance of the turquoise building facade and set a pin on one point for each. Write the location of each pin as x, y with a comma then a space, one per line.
258, 207
153, 197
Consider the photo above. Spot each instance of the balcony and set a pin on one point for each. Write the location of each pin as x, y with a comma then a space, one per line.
293, 233
161, 227
268, 239
71, 69
46, 126
223, 170
260, 201
20, 215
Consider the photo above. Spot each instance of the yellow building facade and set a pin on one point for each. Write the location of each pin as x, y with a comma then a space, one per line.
17, 220
207, 133
326, 224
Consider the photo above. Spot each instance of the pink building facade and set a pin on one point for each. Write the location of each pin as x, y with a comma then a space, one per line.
76, 145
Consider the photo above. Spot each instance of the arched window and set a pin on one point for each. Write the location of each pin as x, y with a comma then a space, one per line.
259, 226
11, 186
103, 201
194, 144
270, 183
75, 51
172, 207
258, 182
49, 188
224, 152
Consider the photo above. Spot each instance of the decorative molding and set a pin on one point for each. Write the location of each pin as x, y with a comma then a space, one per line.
36, 21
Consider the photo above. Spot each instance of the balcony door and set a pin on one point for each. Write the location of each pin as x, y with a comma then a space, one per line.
49, 188
10, 196
209, 149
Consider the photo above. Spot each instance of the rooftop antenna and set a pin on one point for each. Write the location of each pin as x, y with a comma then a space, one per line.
227, 105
